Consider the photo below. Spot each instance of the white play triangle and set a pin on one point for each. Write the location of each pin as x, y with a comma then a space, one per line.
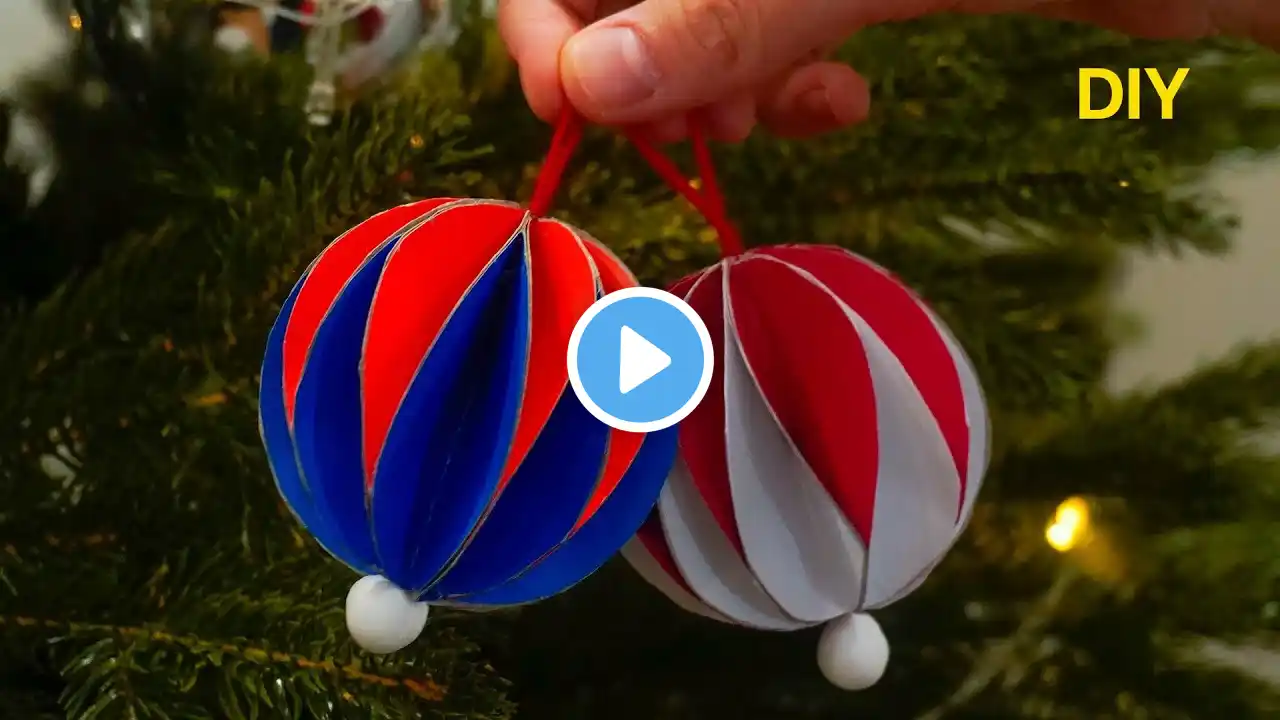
638, 360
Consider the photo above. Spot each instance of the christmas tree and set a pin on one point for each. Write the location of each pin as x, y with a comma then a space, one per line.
149, 570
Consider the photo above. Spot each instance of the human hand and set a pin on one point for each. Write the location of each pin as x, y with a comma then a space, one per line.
745, 62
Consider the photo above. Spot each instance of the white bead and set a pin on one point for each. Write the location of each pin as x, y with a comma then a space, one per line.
853, 652
381, 617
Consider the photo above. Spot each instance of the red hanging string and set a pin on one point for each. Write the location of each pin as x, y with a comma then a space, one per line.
707, 169
709, 201
567, 135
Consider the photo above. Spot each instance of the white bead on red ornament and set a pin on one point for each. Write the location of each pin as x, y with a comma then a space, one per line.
381, 617
853, 652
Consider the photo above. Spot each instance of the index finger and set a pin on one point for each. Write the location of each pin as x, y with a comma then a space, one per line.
534, 32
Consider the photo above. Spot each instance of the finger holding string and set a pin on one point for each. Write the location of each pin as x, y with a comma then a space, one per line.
535, 31
813, 96
730, 120
705, 196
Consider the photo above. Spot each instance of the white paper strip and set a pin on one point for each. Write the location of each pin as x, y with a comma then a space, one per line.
796, 540
708, 561
979, 421
976, 413
917, 488
653, 573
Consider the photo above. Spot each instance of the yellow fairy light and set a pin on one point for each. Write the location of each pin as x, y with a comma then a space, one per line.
1069, 526
74, 21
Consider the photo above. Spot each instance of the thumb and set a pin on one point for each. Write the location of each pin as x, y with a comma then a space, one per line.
665, 56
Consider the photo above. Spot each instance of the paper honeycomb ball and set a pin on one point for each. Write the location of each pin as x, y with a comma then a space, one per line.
416, 413
836, 457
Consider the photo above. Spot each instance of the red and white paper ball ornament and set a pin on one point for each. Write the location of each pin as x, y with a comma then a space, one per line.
832, 464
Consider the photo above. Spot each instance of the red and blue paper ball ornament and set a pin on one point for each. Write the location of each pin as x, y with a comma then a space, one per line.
417, 418
832, 464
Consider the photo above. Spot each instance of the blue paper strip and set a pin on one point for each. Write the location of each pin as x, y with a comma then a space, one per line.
276, 438
601, 537
444, 452
539, 507
327, 418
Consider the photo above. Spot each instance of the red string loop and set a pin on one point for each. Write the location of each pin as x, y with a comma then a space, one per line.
567, 135
708, 201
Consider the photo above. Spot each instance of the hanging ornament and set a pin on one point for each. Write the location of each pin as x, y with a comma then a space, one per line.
386, 32
835, 458
391, 33
416, 411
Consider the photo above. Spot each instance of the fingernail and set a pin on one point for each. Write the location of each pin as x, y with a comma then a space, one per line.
612, 66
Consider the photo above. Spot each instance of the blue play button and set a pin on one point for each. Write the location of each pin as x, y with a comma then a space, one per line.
640, 360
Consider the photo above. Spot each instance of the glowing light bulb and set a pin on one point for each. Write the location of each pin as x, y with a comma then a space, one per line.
1069, 526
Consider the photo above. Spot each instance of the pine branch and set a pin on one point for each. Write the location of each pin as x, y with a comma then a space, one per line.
1241, 391
1188, 567
1002, 655
119, 647
1180, 453
1257, 660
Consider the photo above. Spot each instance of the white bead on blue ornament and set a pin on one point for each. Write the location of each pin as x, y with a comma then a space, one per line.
381, 617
